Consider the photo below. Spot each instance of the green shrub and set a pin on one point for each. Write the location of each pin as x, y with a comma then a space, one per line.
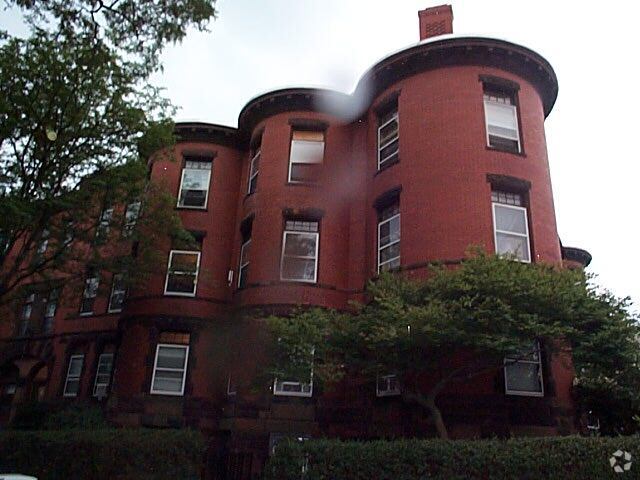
525, 458
108, 454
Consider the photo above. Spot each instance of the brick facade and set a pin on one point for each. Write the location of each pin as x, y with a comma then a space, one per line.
443, 179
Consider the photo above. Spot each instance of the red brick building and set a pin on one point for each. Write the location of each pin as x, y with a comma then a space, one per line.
441, 146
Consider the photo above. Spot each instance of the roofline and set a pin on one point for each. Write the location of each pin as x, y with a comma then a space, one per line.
430, 54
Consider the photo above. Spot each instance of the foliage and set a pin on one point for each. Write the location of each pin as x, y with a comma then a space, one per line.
78, 124
58, 416
524, 458
103, 454
463, 321
138, 29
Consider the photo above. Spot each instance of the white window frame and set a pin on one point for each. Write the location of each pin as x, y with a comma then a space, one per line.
496, 232
74, 377
98, 383
246, 262
153, 391
131, 220
509, 360
206, 195
514, 111
195, 281
280, 392
84, 295
282, 256
253, 173
395, 118
387, 391
382, 247
104, 225
291, 162
113, 291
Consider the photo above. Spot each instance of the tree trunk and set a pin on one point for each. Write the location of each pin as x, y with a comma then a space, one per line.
437, 418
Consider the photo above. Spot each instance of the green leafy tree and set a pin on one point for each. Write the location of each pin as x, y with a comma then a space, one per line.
461, 322
79, 122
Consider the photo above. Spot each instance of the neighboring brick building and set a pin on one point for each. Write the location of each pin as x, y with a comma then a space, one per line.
440, 147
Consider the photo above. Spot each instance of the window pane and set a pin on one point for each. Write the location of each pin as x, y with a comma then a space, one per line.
390, 231
300, 244
72, 387
184, 262
389, 152
91, 287
390, 252
500, 115
242, 276
169, 357
510, 133
181, 283
298, 269
388, 132
395, 263
514, 245
195, 184
75, 367
523, 377
304, 172
168, 381
511, 219
303, 151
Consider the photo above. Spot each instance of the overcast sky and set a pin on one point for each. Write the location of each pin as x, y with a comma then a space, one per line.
257, 46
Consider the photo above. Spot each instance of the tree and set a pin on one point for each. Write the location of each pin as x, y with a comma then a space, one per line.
463, 321
78, 124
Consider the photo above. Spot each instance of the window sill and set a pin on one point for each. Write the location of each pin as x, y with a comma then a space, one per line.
86, 314
168, 394
505, 150
198, 209
386, 166
524, 394
302, 184
178, 294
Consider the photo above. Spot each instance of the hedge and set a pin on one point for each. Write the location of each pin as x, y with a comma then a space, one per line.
524, 458
103, 454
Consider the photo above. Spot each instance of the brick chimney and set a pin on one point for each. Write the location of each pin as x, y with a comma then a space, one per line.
435, 21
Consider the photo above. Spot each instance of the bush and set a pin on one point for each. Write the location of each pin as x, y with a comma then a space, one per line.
58, 416
103, 454
524, 458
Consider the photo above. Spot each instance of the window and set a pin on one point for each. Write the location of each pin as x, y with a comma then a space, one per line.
182, 273
194, 185
388, 138
44, 243
103, 375
104, 225
387, 385
72, 383
89, 295
300, 251
170, 369
118, 292
293, 389
245, 249
511, 229
131, 214
244, 263
307, 151
523, 374
254, 168
50, 310
501, 117
389, 237
25, 315
232, 388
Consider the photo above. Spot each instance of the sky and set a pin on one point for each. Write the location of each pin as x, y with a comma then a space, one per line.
257, 46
